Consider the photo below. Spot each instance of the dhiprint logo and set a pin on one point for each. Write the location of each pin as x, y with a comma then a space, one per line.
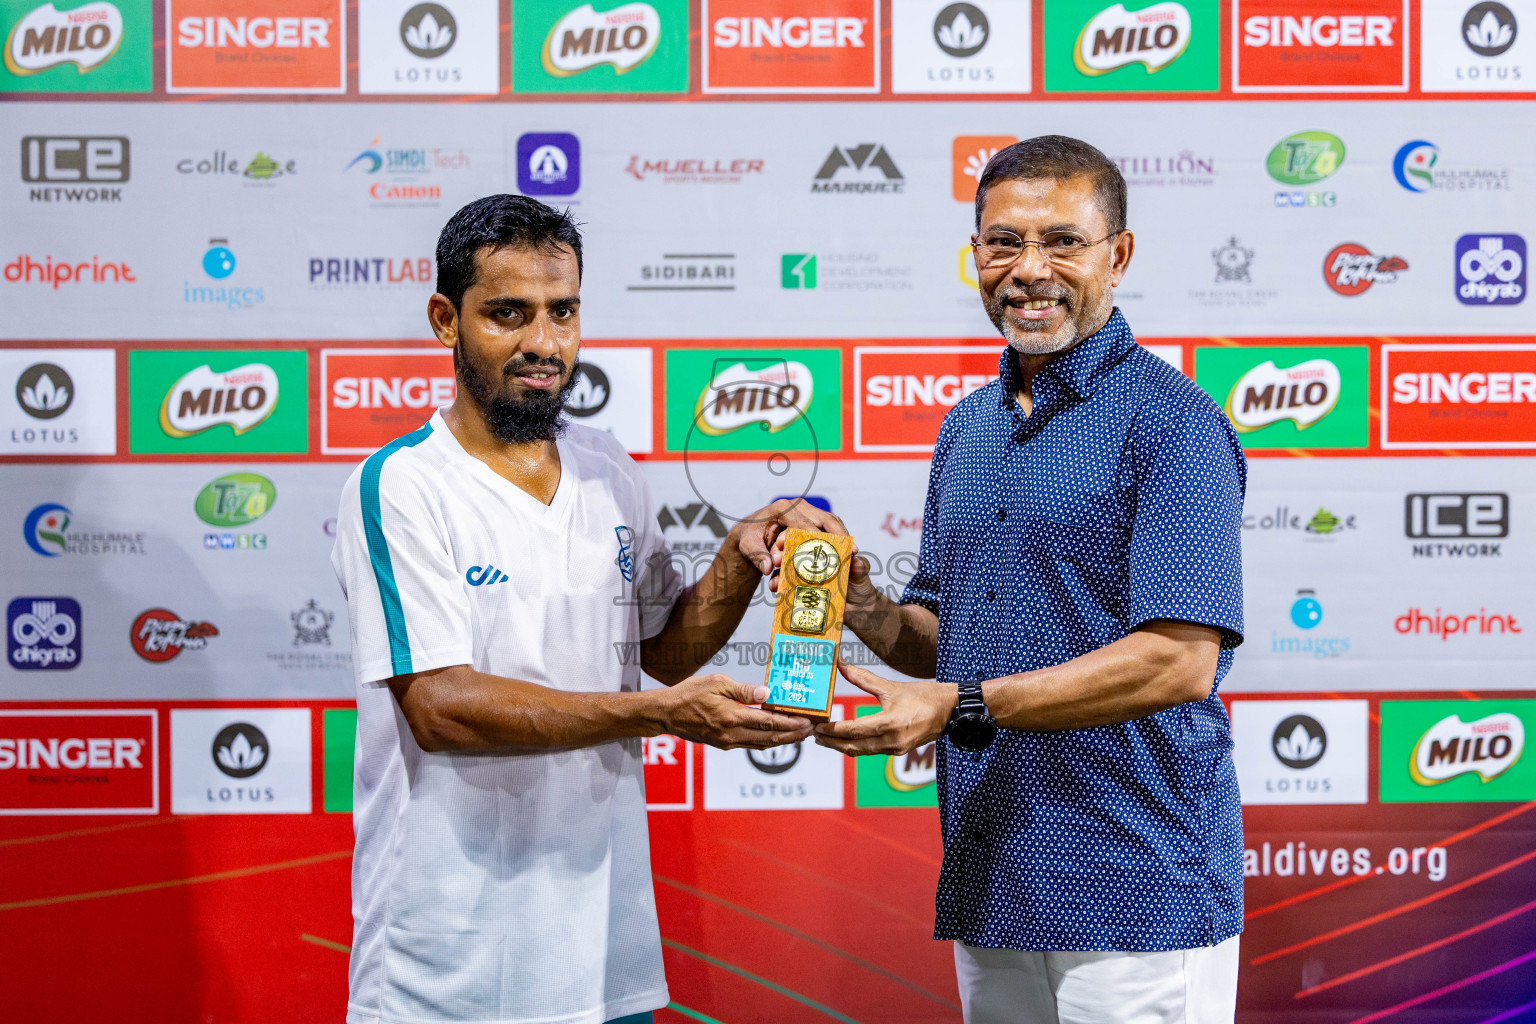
961, 30
241, 398
311, 625
45, 391
1490, 270
72, 165
1267, 394
1350, 269
1299, 742
1488, 29
428, 30
860, 162
626, 557
548, 164
484, 576
46, 37
159, 635
590, 394
43, 633
1414, 165
1114, 38
1488, 746
240, 750
584, 38
25, 269
1416, 622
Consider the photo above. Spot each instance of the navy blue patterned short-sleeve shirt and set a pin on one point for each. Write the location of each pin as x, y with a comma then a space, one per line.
1117, 501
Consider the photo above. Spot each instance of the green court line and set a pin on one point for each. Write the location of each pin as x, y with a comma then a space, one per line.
797, 933
327, 943
744, 973
695, 1014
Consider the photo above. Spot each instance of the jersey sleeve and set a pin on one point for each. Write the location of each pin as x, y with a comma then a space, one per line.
407, 603
657, 580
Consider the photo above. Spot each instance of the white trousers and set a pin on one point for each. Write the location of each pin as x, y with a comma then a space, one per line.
1189, 986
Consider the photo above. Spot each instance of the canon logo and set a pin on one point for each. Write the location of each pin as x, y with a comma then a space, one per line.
760, 33
1323, 30
72, 753
391, 392
261, 33
928, 389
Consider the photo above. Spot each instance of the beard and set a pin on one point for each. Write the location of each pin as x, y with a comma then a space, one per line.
514, 415
1034, 338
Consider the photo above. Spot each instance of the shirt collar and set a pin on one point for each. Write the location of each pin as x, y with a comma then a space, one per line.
1081, 368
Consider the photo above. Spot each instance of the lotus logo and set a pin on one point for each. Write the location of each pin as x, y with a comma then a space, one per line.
584, 38
1267, 394
240, 750
1489, 746
961, 30
1115, 38
47, 37
776, 396
775, 760
44, 391
1489, 29
1414, 165
589, 395
428, 30
1299, 741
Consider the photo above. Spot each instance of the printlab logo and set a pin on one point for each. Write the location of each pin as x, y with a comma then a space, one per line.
865, 168
961, 30
1350, 269
45, 391
159, 635
218, 264
75, 167
428, 30
1306, 614
240, 750
1488, 29
43, 633
589, 395
548, 164
1299, 742
1456, 525
311, 625
1490, 270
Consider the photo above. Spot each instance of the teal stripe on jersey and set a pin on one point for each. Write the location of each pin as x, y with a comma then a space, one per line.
378, 548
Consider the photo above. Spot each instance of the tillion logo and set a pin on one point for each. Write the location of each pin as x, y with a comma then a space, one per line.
913, 770
1488, 29
43, 633
861, 160
47, 37
1351, 268
1490, 270
240, 750
428, 30
1267, 394
589, 395
1299, 742
584, 38
1115, 38
242, 398
1488, 746
44, 391
160, 635
776, 396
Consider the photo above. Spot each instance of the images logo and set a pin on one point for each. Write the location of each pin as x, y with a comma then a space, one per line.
1364, 50
1414, 165
1306, 614
548, 164
860, 162
1290, 397
793, 46
1160, 47
292, 46
1303, 393
633, 47
219, 263
790, 398
178, 401
43, 633
1459, 396
1115, 38
75, 159
1456, 750
242, 398
235, 499
92, 47
969, 155
1490, 270
44, 391
1350, 269
160, 635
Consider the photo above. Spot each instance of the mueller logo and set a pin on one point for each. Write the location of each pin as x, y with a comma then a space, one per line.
863, 168
1267, 394
46, 37
1465, 523
372, 396
242, 398
1351, 269
775, 396
43, 633
258, 33
484, 575
160, 635
899, 526
1418, 622
76, 166
690, 171
27, 270
586, 38
1490, 270
1459, 396
1115, 38
1489, 746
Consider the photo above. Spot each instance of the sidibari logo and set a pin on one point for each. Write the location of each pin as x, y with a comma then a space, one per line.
44, 390
1351, 268
1115, 38
776, 396
1305, 157
242, 398
1267, 394
240, 750
47, 37
1490, 270
43, 633
584, 38
160, 635
235, 499
1488, 746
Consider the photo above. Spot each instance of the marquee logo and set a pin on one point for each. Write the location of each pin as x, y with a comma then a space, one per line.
1266, 394
242, 398
47, 37
793, 46
1488, 746
1290, 46
868, 165
1350, 269
775, 395
584, 39
1115, 38
43, 633
159, 635
1490, 270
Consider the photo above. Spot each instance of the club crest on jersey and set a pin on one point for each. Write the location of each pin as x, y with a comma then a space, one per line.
626, 560
485, 575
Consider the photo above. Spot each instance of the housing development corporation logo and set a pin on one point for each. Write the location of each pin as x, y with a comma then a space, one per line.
1351, 269
1293, 46
548, 164
1490, 270
90, 47
830, 46
75, 168
159, 635
1167, 46
1456, 750
866, 168
43, 633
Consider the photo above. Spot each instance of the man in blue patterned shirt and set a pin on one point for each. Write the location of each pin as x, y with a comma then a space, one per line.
1078, 599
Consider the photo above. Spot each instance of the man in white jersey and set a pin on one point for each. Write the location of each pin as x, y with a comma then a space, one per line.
502, 568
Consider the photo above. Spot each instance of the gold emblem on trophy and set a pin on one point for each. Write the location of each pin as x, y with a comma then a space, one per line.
808, 622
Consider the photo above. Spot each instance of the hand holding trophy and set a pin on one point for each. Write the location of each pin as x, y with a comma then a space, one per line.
808, 622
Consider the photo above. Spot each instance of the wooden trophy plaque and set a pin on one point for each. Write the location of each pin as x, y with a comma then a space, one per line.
808, 623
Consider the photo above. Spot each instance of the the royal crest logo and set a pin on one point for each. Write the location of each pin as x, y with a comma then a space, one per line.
1115, 38
586, 38
1351, 269
160, 635
1488, 746
775, 395
311, 624
48, 37
1267, 394
242, 398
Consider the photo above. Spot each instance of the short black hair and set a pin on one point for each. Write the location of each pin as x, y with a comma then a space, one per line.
1058, 156
493, 222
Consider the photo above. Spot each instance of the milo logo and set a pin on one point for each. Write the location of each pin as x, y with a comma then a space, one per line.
775, 396
1487, 746
912, 770
1267, 394
585, 38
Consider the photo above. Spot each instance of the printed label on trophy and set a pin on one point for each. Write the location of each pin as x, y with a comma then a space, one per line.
800, 672
816, 561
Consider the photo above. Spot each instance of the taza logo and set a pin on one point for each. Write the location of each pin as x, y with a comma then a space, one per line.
776, 395
1115, 38
240, 750
160, 635
1267, 394
1299, 741
585, 38
1488, 746
961, 30
1305, 157
242, 398
44, 390
1490, 270
1488, 29
1351, 268
47, 37
428, 30
43, 633
235, 499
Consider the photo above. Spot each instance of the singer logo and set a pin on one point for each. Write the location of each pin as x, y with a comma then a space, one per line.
374, 395
1458, 396
1266, 394
792, 46
1296, 46
291, 46
584, 38
668, 764
79, 762
1489, 746
1115, 38
905, 391
241, 397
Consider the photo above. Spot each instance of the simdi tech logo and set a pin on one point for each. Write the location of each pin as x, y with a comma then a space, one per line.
1302, 396
824, 46
1161, 47
1300, 46
750, 400
255, 46
635, 47
1458, 396
192, 401
942, 47
1435, 751
92, 47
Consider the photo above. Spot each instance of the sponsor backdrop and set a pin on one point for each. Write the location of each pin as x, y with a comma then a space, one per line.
217, 226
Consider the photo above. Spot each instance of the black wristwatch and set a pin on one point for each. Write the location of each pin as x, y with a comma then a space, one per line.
972, 726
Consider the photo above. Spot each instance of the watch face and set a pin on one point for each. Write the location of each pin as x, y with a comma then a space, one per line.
972, 732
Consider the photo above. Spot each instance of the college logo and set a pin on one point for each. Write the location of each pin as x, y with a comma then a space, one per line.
91, 47
43, 633
79, 762
906, 390
72, 164
789, 397
548, 164
1290, 48
1470, 518
444, 48
1159, 47
252, 402
260, 170
1490, 270
1458, 396
827, 46
631, 47
1301, 752
1273, 394
291, 46
159, 635
1322, 525
969, 156
863, 168
235, 499
240, 760
1350, 269
1448, 750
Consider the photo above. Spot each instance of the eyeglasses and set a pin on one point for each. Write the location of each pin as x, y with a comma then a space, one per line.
1001, 247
